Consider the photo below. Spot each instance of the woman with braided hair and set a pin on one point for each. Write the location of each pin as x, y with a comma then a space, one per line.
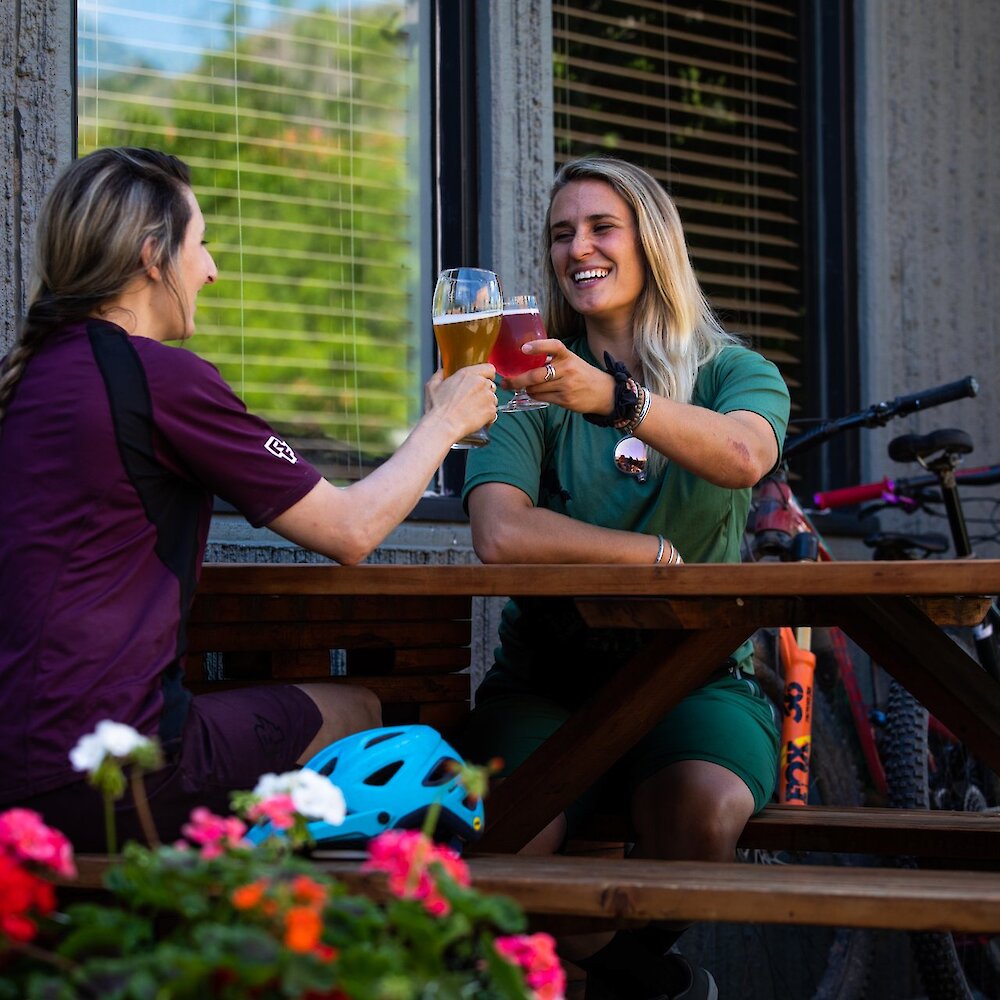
660, 424
112, 445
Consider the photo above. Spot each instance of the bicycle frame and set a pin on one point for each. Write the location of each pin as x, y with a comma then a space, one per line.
777, 527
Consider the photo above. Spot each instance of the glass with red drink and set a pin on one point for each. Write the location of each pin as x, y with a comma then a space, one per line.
521, 322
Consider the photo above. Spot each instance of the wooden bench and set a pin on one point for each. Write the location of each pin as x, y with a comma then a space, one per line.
938, 837
566, 892
415, 658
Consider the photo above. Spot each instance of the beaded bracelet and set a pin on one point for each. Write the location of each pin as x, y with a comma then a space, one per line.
629, 426
628, 401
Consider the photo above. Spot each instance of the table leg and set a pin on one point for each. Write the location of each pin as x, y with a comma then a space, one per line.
931, 666
633, 700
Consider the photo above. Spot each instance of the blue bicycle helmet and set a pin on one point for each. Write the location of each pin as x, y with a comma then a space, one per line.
390, 777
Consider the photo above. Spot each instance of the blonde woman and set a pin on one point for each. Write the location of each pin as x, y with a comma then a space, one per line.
112, 445
661, 423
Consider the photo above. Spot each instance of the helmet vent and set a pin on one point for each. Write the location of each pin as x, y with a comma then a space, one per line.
442, 772
384, 774
382, 737
327, 768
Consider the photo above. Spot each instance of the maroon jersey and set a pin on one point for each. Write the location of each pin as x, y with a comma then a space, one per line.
110, 453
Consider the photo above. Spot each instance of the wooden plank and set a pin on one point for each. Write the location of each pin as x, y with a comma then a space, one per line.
628, 891
929, 833
939, 577
624, 891
758, 612
945, 836
390, 690
932, 667
264, 606
430, 660
634, 698
285, 634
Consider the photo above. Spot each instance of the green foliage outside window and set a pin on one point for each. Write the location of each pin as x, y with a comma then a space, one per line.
300, 137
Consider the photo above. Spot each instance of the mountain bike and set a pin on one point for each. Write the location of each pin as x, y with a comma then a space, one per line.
926, 765
754, 961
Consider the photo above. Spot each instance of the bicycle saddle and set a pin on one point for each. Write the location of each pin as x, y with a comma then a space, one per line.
915, 447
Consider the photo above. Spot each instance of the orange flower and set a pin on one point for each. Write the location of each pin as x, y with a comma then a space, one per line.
307, 891
302, 928
246, 897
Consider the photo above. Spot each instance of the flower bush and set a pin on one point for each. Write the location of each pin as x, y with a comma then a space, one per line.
214, 916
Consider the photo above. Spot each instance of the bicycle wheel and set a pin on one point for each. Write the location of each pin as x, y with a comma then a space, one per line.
927, 768
762, 961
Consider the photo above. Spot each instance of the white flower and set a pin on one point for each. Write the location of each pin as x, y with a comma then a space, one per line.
271, 785
109, 738
312, 795
316, 796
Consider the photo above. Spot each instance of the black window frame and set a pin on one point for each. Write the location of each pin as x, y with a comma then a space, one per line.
832, 361
455, 194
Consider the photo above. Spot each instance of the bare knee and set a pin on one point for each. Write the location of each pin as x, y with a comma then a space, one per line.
694, 811
345, 709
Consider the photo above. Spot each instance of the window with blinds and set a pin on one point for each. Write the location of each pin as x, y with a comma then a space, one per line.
300, 122
707, 97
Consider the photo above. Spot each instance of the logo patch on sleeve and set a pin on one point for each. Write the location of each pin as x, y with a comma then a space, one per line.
280, 449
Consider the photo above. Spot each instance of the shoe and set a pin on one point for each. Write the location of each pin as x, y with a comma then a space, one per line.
700, 982
696, 983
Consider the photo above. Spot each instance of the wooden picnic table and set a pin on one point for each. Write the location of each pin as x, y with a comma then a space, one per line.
696, 615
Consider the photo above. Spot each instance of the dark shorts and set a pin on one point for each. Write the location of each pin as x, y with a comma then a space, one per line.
229, 740
728, 722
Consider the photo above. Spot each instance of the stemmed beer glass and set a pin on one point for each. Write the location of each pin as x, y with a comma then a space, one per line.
467, 305
521, 323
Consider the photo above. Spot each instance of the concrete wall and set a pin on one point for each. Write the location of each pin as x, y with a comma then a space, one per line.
515, 61
928, 140
36, 95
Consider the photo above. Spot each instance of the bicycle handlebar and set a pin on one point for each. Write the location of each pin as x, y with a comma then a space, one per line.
892, 489
879, 414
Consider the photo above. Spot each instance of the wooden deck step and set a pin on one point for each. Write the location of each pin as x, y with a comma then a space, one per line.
615, 892
626, 891
924, 833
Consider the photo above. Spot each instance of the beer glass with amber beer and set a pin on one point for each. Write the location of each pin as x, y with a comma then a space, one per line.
521, 322
467, 305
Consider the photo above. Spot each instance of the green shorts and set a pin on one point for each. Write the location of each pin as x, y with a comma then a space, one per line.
728, 722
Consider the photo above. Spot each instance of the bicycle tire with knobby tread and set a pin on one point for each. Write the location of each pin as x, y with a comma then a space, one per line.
908, 752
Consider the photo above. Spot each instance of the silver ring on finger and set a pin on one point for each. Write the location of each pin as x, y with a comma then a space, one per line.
550, 372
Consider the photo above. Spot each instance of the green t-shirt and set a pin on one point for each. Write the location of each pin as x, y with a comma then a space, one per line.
565, 463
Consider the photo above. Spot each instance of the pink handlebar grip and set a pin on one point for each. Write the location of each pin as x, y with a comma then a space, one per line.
853, 494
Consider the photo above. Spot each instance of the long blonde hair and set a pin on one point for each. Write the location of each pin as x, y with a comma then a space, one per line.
675, 330
91, 232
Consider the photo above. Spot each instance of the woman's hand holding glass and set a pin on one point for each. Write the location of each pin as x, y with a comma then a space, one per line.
521, 323
559, 376
467, 305
467, 400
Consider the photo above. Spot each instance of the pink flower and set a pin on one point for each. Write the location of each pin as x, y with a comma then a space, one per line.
213, 833
25, 836
536, 955
279, 809
406, 856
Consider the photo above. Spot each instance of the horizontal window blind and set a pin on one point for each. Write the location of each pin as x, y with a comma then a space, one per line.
706, 96
299, 120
